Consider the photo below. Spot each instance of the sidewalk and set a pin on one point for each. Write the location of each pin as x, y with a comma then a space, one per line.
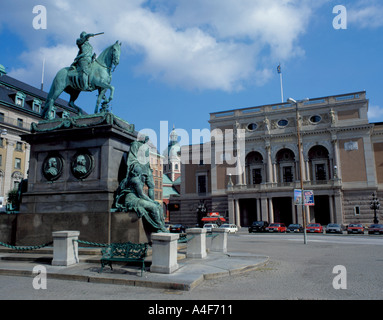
190, 274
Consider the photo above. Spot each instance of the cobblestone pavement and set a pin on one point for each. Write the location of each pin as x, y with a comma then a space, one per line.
295, 271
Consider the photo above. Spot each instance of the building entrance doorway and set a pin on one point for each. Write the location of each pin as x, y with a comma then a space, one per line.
248, 211
282, 210
321, 210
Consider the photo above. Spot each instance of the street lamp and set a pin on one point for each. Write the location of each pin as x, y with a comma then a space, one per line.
375, 205
292, 101
201, 212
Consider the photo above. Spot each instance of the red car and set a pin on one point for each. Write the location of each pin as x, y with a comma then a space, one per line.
276, 227
375, 229
355, 228
314, 227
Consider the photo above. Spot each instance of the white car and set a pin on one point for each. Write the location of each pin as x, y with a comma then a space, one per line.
232, 228
210, 226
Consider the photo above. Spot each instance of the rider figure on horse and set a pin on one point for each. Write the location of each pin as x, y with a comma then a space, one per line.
84, 59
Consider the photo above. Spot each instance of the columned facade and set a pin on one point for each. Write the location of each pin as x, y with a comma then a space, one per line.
341, 155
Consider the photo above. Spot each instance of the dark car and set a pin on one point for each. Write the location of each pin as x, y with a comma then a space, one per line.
375, 229
294, 228
258, 226
177, 228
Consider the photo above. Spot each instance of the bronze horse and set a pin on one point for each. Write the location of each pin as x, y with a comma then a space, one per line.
100, 77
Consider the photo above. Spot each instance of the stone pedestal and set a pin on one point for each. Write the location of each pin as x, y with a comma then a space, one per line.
196, 247
219, 240
37, 228
65, 248
164, 253
76, 165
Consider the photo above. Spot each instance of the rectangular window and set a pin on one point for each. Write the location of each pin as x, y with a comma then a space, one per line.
320, 172
287, 174
17, 163
357, 210
19, 146
20, 122
36, 106
19, 102
201, 181
257, 176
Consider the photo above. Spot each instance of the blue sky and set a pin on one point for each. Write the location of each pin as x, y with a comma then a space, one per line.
183, 59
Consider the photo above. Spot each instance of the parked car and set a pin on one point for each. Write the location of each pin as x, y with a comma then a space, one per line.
314, 227
294, 228
355, 228
334, 228
258, 226
375, 229
177, 228
276, 227
232, 228
210, 226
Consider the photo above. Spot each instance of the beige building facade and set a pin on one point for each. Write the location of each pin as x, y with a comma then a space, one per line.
253, 166
20, 106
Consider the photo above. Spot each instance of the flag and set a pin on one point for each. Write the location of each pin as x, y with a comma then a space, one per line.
279, 68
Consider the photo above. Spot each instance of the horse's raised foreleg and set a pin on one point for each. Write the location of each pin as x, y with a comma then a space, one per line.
101, 96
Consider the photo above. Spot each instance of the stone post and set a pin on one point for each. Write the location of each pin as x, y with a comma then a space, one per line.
164, 253
219, 240
196, 247
65, 248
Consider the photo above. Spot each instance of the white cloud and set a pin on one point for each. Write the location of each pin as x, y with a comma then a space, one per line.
55, 58
366, 14
215, 44
375, 113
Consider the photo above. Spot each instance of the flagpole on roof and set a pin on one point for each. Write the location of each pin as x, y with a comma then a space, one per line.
42, 75
279, 69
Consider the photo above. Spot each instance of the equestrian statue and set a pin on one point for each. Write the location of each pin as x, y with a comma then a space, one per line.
87, 73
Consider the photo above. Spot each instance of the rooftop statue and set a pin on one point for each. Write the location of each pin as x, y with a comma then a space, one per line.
87, 73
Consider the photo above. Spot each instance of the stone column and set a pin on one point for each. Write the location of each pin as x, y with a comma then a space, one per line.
196, 247
164, 253
337, 157
264, 215
271, 210
65, 248
231, 206
237, 213
269, 165
9, 166
219, 240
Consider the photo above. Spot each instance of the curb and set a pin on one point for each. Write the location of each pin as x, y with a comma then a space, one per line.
186, 279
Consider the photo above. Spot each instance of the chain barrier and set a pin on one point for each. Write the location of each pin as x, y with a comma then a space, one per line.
92, 243
212, 235
183, 238
25, 248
